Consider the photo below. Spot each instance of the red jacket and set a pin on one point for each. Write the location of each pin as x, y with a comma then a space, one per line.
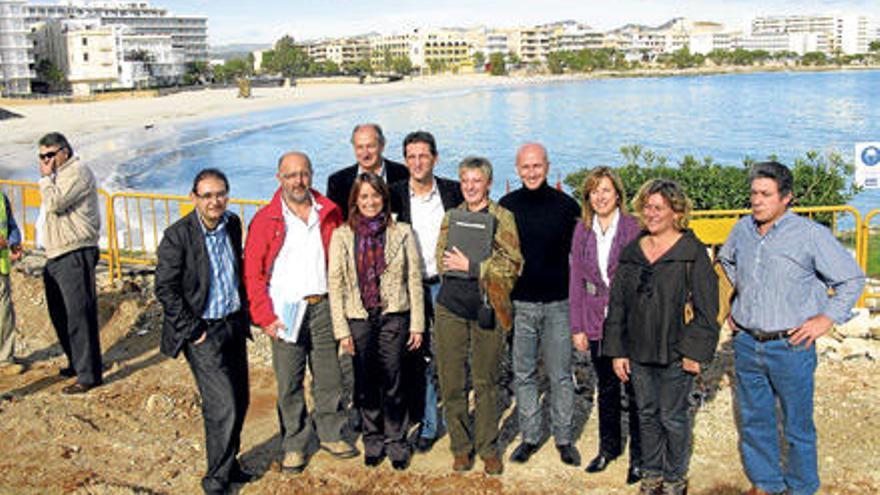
264, 241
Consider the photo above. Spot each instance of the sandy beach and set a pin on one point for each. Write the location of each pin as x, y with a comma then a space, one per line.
84, 123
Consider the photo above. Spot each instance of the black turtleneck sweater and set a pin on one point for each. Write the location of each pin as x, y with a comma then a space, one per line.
545, 221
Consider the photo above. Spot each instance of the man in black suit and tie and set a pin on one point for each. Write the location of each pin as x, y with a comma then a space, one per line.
368, 143
199, 283
422, 201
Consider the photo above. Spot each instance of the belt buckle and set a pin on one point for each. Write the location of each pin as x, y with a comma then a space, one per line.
314, 299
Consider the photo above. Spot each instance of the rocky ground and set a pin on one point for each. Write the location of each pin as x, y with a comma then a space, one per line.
141, 433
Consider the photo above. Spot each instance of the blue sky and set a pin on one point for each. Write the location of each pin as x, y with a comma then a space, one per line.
237, 21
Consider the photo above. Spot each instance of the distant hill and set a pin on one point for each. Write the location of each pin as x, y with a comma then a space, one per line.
236, 50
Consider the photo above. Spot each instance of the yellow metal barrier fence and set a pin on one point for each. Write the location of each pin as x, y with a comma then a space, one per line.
870, 251
24, 197
133, 223
142, 218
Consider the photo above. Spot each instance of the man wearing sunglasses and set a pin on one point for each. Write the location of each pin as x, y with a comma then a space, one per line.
69, 233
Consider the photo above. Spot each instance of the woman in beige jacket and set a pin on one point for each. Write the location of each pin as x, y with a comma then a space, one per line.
376, 303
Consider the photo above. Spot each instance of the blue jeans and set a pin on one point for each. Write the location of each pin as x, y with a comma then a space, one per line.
432, 420
766, 372
543, 327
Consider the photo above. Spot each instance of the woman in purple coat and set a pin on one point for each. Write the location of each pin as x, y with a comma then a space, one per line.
598, 240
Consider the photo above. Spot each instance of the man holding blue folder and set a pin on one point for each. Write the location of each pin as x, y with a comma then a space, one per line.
286, 279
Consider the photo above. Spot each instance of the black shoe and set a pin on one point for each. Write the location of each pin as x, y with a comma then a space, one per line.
633, 475
373, 460
599, 463
522, 453
400, 465
67, 372
569, 455
77, 389
241, 476
424, 445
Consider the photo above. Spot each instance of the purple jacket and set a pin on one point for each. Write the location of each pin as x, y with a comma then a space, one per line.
587, 307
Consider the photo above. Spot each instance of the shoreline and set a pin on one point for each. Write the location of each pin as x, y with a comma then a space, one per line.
100, 128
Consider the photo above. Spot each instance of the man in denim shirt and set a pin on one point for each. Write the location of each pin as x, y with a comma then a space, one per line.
782, 266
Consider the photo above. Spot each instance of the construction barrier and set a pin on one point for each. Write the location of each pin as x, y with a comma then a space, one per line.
133, 223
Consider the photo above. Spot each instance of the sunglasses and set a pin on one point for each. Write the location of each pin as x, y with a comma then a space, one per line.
49, 155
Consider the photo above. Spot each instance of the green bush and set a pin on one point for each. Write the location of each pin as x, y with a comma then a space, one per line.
819, 180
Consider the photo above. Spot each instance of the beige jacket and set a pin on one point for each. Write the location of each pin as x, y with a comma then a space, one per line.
70, 201
400, 285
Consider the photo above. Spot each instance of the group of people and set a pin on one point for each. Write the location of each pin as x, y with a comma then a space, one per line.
369, 270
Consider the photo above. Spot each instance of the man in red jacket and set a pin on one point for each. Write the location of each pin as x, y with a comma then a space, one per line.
286, 278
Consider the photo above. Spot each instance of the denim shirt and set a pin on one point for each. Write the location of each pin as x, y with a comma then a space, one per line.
782, 278
223, 297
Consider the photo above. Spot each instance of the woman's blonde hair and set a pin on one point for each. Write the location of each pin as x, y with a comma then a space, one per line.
591, 182
672, 193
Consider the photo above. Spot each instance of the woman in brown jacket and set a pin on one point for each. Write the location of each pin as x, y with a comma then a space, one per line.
375, 287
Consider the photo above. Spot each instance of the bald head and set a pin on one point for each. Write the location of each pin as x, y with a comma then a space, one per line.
295, 177
295, 155
532, 165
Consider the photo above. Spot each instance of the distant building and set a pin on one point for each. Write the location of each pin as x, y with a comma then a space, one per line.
847, 34
83, 49
574, 36
15, 56
188, 33
435, 50
94, 57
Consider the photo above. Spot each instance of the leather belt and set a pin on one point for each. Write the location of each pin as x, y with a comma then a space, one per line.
764, 336
431, 280
315, 299
231, 316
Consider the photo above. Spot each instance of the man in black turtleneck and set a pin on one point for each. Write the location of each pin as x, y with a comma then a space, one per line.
545, 220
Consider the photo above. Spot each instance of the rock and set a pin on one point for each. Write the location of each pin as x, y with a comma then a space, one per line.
858, 326
859, 348
875, 333
828, 347
159, 404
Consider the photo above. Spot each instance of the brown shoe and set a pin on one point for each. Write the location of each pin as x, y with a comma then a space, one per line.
493, 466
463, 462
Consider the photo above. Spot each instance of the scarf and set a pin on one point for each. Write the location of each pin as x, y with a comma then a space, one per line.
370, 241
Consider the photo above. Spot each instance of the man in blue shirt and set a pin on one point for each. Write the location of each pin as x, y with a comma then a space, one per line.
782, 266
199, 283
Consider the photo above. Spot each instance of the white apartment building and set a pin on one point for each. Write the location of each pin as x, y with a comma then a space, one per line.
188, 33
147, 60
574, 36
83, 49
850, 34
96, 57
15, 56
799, 43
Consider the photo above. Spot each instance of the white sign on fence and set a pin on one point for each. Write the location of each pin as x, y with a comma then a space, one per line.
867, 161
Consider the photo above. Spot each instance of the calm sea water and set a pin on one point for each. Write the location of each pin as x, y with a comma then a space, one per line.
583, 124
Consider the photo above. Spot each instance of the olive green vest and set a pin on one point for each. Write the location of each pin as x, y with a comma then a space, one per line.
4, 230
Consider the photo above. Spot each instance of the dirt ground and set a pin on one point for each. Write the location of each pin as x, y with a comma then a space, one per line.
141, 433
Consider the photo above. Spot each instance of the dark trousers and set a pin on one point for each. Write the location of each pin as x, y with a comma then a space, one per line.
463, 347
73, 308
219, 365
317, 347
609, 390
662, 395
379, 343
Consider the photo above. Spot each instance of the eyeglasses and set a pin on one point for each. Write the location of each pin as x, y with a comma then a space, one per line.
49, 155
222, 195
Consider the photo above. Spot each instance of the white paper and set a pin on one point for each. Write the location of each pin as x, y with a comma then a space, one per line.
292, 314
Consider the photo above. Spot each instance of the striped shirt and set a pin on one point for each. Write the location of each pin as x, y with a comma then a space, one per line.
223, 297
782, 278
